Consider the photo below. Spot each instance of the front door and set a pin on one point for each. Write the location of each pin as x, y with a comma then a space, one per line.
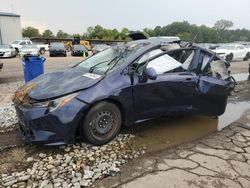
168, 94
171, 92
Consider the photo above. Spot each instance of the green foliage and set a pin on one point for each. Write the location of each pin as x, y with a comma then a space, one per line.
30, 32
221, 25
47, 33
201, 34
61, 34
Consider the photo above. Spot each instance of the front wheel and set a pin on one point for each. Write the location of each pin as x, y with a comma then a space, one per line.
247, 57
102, 123
230, 57
42, 51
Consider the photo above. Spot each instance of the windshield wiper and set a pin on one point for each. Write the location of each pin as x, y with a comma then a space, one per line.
113, 65
91, 69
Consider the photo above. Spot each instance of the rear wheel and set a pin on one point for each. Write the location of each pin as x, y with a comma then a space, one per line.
102, 123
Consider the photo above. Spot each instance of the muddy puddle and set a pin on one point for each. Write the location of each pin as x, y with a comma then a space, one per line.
159, 135
241, 77
233, 112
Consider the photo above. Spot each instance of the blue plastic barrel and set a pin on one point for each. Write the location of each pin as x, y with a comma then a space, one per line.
33, 66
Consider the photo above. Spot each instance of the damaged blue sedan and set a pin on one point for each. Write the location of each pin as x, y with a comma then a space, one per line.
123, 85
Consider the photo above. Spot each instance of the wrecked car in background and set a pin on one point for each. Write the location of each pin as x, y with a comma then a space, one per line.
120, 86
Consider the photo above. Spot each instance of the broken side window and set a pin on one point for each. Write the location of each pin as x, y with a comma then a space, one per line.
219, 70
149, 55
164, 64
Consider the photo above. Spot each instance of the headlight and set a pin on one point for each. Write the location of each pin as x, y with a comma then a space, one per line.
57, 103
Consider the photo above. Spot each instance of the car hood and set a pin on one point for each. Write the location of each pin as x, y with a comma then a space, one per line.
54, 85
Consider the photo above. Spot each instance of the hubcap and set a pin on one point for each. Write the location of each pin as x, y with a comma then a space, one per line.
102, 124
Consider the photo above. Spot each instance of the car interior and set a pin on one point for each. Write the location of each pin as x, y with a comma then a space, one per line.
180, 60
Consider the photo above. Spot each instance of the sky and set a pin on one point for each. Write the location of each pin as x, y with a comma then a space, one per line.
74, 16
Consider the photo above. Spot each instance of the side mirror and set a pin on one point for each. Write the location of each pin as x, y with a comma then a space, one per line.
149, 73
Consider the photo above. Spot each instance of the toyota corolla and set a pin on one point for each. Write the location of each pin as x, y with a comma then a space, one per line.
123, 85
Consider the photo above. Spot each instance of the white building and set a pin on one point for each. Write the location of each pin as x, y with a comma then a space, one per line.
10, 28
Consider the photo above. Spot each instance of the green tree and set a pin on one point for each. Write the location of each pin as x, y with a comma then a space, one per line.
185, 36
148, 31
222, 25
48, 33
61, 34
124, 34
30, 32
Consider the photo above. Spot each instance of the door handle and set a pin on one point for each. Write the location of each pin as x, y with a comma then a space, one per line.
188, 79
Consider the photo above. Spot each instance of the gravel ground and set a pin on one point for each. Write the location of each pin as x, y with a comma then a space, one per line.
73, 166
7, 111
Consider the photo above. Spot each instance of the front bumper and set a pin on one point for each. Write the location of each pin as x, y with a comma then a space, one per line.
38, 125
54, 52
5, 54
222, 55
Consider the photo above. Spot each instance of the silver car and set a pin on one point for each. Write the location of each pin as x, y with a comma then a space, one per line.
7, 51
29, 50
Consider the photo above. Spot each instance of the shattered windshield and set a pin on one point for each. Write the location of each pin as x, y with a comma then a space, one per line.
109, 59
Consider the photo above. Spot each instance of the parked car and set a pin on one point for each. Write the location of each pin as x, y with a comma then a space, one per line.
18, 44
99, 48
122, 85
78, 50
42, 47
29, 50
57, 49
7, 51
232, 52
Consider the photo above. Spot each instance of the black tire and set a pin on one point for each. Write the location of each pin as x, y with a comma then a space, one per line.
230, 57
102, 123
247, 57
42, 51
50, 55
